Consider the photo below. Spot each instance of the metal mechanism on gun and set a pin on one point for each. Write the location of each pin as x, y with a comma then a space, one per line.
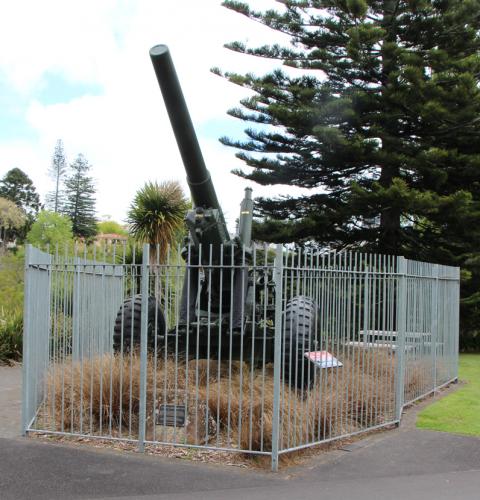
218, 293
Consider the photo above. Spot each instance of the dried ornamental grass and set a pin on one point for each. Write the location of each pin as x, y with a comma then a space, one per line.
228, 405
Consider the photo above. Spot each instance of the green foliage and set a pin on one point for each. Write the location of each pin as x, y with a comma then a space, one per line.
11, 218
458, 412
11, 282
11, 336
51, 229
111, 227
133, 253
11, 306
387, 135
17, 187
80, 199
156, 216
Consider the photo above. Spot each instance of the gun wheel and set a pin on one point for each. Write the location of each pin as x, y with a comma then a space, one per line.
300, 322
127, 329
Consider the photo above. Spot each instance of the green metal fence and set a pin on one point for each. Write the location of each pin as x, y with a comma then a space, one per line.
315, 347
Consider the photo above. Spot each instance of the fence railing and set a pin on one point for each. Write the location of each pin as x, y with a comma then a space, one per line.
263, 352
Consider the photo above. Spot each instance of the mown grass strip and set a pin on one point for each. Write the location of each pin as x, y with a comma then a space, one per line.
459, 412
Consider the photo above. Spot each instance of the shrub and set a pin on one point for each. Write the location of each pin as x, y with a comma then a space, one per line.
52, 229
11, 335
11, 307
111, 227
11, 283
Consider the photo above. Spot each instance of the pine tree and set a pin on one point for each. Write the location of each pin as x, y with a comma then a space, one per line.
384, 126
381, 122
17, 187
80, 199
57, 172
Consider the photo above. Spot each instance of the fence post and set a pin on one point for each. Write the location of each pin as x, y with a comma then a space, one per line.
278, 279
434, 325
143, 348
26, 365
401, 330
456, 341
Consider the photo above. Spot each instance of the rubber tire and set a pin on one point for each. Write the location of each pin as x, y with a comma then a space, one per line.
300, 321
131, 312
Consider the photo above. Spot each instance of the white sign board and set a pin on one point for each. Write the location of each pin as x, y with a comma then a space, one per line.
323, 359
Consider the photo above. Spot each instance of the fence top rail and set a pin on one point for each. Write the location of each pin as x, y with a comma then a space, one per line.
259, 257
420, 269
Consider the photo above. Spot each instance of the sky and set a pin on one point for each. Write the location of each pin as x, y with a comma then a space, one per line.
81, 72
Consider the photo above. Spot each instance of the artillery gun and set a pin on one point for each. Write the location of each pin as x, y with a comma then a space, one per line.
226, 310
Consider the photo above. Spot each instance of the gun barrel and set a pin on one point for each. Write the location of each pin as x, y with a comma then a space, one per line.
198, 177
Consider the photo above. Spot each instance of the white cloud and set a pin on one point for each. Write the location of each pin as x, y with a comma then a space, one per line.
125, 132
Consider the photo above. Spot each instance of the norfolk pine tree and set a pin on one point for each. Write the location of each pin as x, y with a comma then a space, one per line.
384, 127
57, 172
80, 199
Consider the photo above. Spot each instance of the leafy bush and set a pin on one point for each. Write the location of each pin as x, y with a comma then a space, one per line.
470, 341
51, 229
111, 227
11, 306
11, 282
11, 336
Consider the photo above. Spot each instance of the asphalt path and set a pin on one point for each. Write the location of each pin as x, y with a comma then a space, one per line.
404, 463
10, 400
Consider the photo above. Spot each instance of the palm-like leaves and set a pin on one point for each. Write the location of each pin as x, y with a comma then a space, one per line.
156, 215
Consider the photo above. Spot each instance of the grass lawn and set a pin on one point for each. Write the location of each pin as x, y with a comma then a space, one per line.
459, 412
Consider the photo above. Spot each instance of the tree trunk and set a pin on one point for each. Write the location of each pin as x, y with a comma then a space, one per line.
389, 232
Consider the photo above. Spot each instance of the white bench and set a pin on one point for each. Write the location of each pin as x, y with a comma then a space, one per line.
386, 339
